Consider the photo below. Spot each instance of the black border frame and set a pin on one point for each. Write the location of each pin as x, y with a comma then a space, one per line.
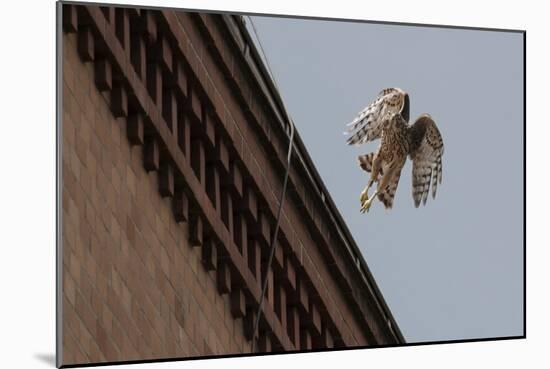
59, 188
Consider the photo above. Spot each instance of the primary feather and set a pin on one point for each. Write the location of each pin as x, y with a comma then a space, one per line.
426, 152
367, 125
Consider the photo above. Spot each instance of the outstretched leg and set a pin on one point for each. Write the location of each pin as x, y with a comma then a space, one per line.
382, 184
376, 166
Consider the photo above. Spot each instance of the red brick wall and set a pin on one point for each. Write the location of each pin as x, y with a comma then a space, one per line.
133, 288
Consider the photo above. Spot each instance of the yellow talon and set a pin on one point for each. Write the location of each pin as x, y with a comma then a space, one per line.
364, 195
365, 205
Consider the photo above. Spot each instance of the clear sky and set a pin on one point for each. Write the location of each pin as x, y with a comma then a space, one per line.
454, 268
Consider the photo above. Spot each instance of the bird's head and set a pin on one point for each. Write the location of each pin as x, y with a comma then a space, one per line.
406, 108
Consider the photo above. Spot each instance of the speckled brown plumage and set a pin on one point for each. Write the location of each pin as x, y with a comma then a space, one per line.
387, 118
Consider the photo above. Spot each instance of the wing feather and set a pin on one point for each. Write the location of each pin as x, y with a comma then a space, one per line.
426, 151
367, 126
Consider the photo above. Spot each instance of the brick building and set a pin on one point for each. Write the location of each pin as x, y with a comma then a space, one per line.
174, 145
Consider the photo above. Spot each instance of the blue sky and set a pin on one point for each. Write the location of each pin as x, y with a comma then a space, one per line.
454, 268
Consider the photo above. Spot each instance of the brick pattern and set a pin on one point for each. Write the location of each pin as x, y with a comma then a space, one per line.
133, 287
230, 93
169, 151
246, 117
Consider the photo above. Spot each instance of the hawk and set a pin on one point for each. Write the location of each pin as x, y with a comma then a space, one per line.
386, 118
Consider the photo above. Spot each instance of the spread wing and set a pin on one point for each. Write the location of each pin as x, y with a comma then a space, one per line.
367, 126
426, 150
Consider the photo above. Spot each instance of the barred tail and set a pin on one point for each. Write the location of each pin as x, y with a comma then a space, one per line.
365, 161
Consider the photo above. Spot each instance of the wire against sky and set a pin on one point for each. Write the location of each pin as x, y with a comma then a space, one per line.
273, 244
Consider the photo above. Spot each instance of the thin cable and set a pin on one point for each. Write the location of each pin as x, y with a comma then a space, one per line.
273, 244
273, 239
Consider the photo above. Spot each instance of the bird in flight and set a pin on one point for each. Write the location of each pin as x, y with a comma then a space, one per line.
387, 119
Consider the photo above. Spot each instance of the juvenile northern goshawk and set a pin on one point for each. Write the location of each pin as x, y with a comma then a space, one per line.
387, 118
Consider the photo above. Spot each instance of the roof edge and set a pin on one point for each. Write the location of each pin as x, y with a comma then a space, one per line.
275, 100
